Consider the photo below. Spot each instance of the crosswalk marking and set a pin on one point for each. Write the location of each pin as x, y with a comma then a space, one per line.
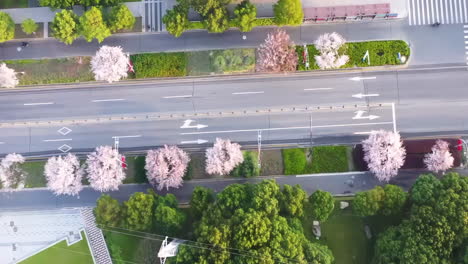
465, 32
425, 12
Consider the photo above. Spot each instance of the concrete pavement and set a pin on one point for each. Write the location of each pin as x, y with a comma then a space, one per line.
430, 45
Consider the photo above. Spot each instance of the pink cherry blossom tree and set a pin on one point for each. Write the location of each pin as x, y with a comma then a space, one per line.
8, 77
329, 45
277, 53
223, 157
64, 175
11, 175
110, 64
165, 167
384, 154
440, 159
104, 168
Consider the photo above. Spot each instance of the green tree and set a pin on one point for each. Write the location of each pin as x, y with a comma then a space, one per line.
322, 204
369, 203
139, 211
29, 26
288, 12
395, 199
245, 15
7, 27
216, 21
203, 7
168, 220
176, 20
292, 200
233, 197
201, 198
317, 253
59, 3
265, 197
252, 229
65, 26
425, 189
107, 211
121, 17
249, 166
92, 25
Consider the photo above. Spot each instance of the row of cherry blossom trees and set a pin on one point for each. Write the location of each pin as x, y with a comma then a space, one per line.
385, 154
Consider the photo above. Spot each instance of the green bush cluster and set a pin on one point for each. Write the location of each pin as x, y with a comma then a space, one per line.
380, 52
384, 201
326, 159
232, 60
259, 22
312, 52
7, 27
249, 167
294, 161
159, 64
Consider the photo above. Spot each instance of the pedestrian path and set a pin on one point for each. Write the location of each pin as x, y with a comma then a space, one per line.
426, 12
465, 34
152, 17
96, 240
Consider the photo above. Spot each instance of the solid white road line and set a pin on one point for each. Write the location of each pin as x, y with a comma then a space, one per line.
418, 9
2, 143
283, 128
465, 16
423, 12
48, 103
317, 89
130, 136
241, 93
362, 133
177, 96
107, 100
57, 140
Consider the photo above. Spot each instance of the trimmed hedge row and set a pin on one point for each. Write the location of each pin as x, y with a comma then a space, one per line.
160, 64
323, 159
259, 22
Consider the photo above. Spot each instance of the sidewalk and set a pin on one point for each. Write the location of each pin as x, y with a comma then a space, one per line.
443, 45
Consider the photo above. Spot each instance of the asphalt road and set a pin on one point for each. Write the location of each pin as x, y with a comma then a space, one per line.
424, 101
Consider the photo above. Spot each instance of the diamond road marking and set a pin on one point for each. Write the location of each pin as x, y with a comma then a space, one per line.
64, 130
64, 148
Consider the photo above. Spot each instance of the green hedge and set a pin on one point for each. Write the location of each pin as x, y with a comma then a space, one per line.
328, 159
160, 64
196, 25
312, 52
380, 52
249, 167
259, 22
294, 161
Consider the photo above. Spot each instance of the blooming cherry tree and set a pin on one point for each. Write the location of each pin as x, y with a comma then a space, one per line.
329, 45
104, 168
8, 77
384, 154
440, 159
110, 64
11, 175
64, 175
165, 167
223, 157
277, 53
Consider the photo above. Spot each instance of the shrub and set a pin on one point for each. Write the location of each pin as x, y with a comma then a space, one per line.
121, 18
7, 27
233, 60
259, 22
294, 161
288, 12
159, 64
216, 20
368, 203
196, 25
65, 26
249, 167
29, 26
380, 52
245, 14
322, 204
176, 20
328, 159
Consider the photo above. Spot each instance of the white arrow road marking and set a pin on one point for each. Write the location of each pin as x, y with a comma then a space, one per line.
107, 100
189, 121
248, 93
362, 78
317, 89
178, 96
360, 95
48, 103
57, 140
198, 141
359, 114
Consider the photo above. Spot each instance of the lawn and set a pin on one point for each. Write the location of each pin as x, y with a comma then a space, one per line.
131, 247
35, 174
227, 61
77, 253
136, 172
13, 4
321, 159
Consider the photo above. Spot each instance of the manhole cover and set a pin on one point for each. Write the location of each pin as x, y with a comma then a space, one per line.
64, 130
64, 148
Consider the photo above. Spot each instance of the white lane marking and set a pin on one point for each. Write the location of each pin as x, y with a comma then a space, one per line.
240, 93
362, 133
465, 26
360, 95
107, 100
332, 174
394, 118
284, 128
461, 10
437, 11
177, 96
419, 15
130, 136
362, 78
464, 8
48, 103
432, 12
423, 12
317, 89
198, 141
465, 31
2, 143
57, 140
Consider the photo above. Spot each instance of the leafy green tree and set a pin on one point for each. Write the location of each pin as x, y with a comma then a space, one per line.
107, 211
29, 26
121, 17
288, 12
59, 3
322, 205
395, 199
233, 197
425, 189
292, 200
252, 229
88, 3
139, 211
317, 253
265, 197
249, 166
92, 25
168, 220
203, 7
7, 27
369, 202
216, 21
65, 26
201, 198
245, 15
176, 20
